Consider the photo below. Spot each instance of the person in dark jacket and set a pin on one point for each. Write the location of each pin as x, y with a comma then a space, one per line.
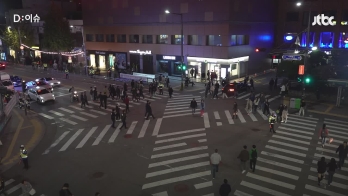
253, 157
65, 190
113, 118
342, 151
332, 166
225, 189
235, 110
243, 157
124, 118
170, 91
321, 169
149, 111
193, 106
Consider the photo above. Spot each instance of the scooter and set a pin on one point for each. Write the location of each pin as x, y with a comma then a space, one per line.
75, 96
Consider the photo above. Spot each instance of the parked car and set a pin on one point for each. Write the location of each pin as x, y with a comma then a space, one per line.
34, 84
51, 81
17, 81
231, 88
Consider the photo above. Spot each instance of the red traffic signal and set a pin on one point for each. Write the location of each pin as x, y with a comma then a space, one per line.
260, 50
257, 50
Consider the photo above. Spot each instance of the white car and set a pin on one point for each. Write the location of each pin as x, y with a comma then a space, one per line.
33, 84
8, 84
40, 94
51, 81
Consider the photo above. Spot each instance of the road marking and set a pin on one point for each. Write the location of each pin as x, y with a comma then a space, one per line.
84, 140
179, 152
324, 181
176, 179
262, 189
178, 111
326, 150
177, 160
217, 116
340, 132
335, 127
338, 136
282, 157
79, 118
177, 103
289, 139
143, 128
115, 134
243, 96
240, 117
68, 121
202, 140
206, 120
338, 121
46, 116
8, 182
302, 123
76, 108
273, 98
210, 194
344, 177
302, 117
174, 106
240, 193
169, 146
322, 191
295, 130
176, 169
278, 164
90, 115
180, 132
298, 118
157, 127
286, 151
294, 135
56, 113
262, 115
55, 143
203, 185
251, 115
288, 145
299, 127
177, 115
279, 173
180, 100
229, 117
132, 127
13, 189
271, 181
161, 194
101, 135
71, 140
66, 110
180, 138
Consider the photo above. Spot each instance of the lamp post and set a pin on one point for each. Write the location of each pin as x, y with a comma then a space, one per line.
182, 46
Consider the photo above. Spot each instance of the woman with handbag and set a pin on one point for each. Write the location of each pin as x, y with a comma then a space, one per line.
27, 189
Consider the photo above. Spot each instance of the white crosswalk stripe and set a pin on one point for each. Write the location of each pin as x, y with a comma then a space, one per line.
13, 188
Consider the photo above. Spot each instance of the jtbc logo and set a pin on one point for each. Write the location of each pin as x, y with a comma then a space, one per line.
321, 19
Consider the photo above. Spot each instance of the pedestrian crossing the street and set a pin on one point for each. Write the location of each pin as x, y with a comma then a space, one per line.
180, 106
339, 186
13, 188
74, 114
179, 156
281, 162
99, 135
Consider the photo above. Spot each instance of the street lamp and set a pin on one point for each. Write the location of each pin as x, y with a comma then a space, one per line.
298, 3
182, 44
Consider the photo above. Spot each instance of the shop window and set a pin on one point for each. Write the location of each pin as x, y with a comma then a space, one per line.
161, 39
133, 38
147, 39
89, 37
343, 41
214, 40
176, 39
304, 39
326, 39
110, 38
237, 40
99, 37
233, 40
192, 40
122, 38
292, 16
305, 17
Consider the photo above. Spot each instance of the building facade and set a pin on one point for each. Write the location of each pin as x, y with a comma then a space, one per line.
219, 36
292, 22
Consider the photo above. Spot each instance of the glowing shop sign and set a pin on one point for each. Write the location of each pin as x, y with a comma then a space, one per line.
140, 52
169, 57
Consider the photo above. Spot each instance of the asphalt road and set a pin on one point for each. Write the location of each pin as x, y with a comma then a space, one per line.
169, 155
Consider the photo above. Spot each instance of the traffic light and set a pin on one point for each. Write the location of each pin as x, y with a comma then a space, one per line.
260, 49
257, 50
307, 80
184, 67
299, 79
179, 67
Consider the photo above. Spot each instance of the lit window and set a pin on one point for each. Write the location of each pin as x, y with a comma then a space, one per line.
326, 39
343, 41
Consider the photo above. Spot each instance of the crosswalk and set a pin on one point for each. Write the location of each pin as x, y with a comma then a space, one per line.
339, 186
177, 157
281, 163
13, 188
245, 95
180, 106
98, 135
73, 114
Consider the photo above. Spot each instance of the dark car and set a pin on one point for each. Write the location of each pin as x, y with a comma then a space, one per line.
2, 65
231, 88
16, 80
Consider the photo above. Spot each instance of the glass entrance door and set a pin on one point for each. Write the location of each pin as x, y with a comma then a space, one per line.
102, 62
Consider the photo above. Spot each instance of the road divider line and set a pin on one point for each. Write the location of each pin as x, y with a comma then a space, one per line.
175, 106
84, 140
178, 111
165, 193
55, 143
216, 115
292, 121
240, 193
299, 127
101, 135
71, 140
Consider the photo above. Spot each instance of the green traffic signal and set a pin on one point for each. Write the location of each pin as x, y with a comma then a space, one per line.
179, 67
307, 80
184, 67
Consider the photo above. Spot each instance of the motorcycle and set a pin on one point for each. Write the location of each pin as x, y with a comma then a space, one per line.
24, 103
75, 96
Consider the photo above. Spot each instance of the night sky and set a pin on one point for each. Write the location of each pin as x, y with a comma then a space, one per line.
7, 5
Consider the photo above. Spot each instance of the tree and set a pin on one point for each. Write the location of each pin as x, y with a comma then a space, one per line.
20, 32
57, 36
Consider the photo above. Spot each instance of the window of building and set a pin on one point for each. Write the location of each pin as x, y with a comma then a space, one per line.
305, 17
292, 16
343, 41
110, 38
214, 40
121, 38
133, 38
99, 37
304, 39
147, 39
176, 39
161, 39
233, 40
89, 37
344, 19
193, 40
237, 40
326, 39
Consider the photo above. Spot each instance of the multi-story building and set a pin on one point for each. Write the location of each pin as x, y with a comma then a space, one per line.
293, 19
218, 35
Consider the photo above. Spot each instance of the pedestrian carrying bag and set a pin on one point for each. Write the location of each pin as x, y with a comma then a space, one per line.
32, 192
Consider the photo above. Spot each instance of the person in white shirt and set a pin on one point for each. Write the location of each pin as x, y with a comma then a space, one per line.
215, 160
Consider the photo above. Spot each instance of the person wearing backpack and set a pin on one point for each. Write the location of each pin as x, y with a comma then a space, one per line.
323, 134
253, 157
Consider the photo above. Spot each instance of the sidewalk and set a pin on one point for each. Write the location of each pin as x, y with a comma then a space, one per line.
20, 130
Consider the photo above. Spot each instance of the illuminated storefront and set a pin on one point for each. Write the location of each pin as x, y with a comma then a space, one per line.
106, 59
168, 64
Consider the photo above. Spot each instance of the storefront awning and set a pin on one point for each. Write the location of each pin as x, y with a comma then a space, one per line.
218, 61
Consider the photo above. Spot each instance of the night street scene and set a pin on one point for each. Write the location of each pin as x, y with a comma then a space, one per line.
173, 97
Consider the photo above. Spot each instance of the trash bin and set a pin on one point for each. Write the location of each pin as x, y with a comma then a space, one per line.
297, 103
292, 103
